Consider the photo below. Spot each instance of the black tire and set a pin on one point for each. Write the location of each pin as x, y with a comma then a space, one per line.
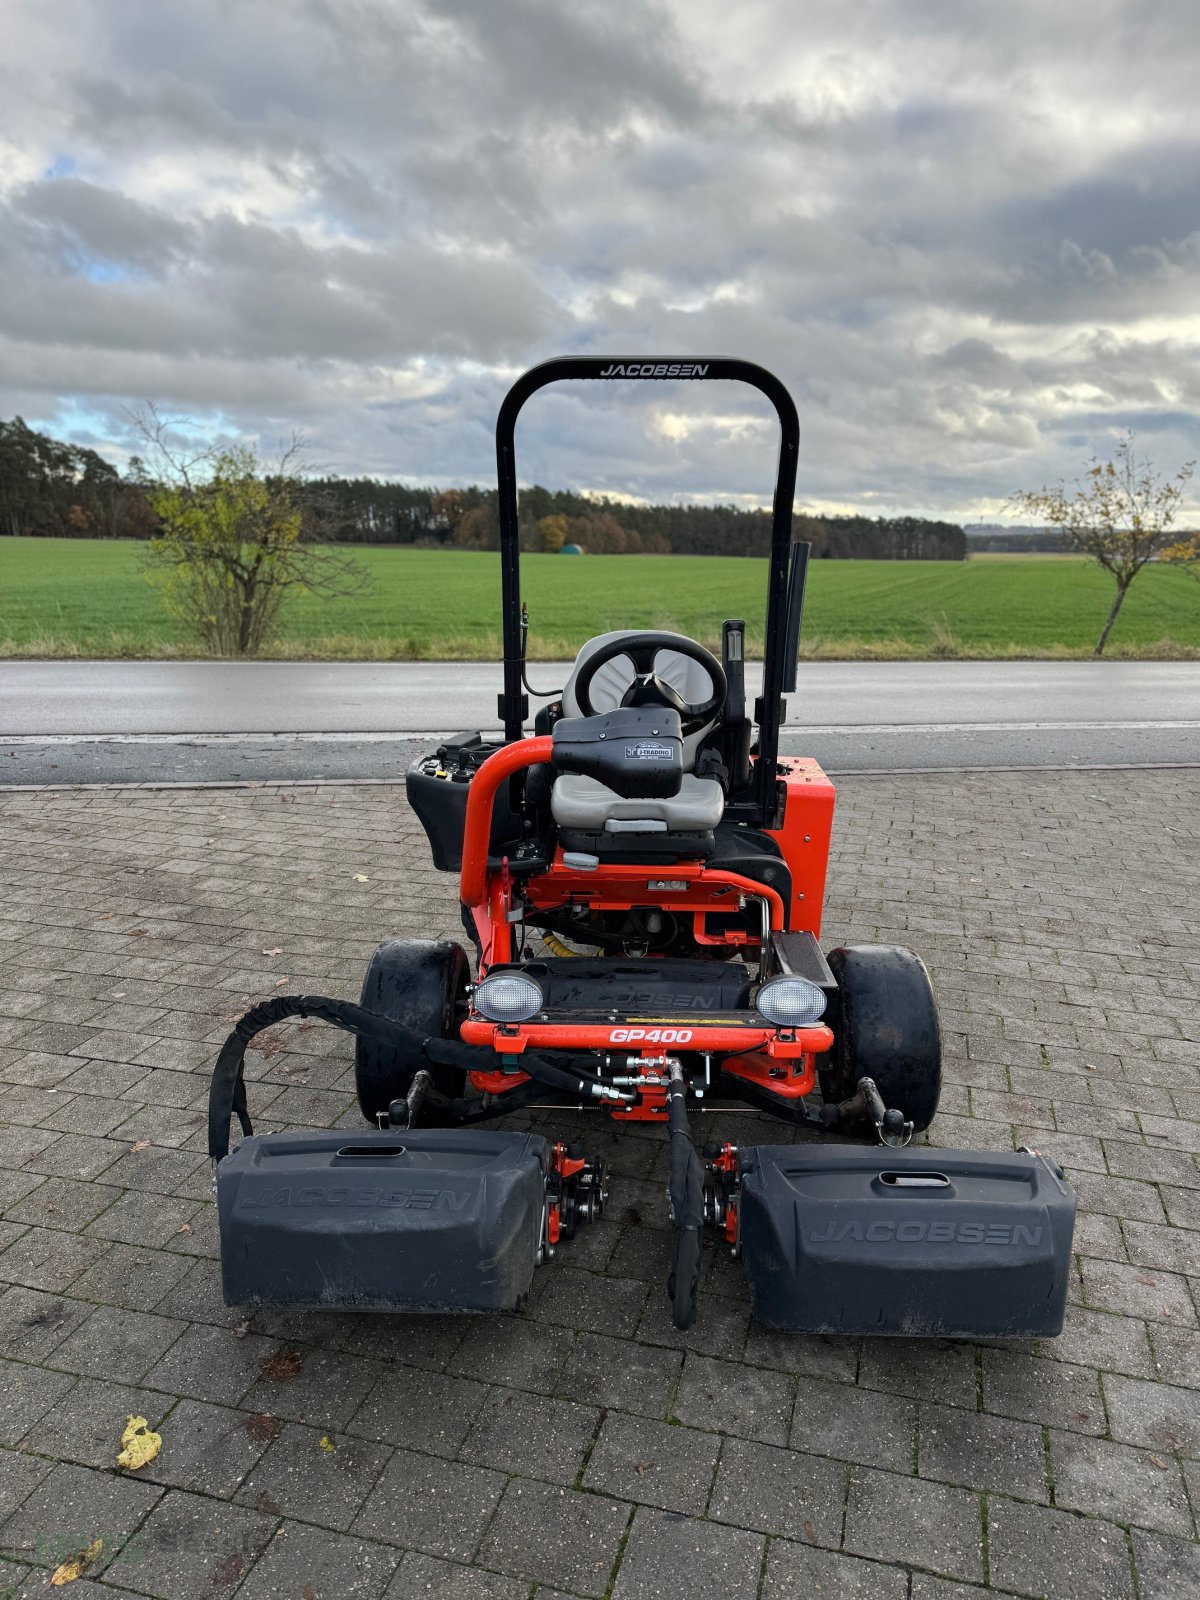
885, 1026
420, 983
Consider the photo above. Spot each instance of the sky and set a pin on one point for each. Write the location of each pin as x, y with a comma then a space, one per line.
967, 237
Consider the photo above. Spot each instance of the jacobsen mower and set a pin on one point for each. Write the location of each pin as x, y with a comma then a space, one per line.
641, 878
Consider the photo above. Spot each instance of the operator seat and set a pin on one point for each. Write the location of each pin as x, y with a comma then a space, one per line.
588, 812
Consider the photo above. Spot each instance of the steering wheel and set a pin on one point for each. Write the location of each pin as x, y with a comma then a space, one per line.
647, 687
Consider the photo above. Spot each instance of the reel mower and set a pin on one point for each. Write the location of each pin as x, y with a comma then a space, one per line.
641, 877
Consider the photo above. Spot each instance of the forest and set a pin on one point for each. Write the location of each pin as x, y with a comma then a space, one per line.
51, 488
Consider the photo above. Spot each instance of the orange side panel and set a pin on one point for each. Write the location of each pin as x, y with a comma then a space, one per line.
804, 838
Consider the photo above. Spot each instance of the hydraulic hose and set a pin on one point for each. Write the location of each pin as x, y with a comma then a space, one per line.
227, 1091
685, 1189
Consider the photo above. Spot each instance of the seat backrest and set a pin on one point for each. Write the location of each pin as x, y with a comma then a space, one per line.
687, 677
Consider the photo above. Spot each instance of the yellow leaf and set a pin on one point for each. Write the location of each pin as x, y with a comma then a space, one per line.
78, 1564
327, 1443
139, 1444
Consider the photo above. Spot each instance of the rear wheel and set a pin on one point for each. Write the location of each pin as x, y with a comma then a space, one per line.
885, 1027
419, 983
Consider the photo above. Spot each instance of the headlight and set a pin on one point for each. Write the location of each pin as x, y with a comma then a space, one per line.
791, 1002
508, 997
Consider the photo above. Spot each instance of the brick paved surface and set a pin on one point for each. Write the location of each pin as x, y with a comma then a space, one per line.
586, 1448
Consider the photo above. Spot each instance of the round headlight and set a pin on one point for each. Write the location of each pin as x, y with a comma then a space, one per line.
791, 1002
508, 997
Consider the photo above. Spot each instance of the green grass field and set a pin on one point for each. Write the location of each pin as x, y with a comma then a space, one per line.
82, 597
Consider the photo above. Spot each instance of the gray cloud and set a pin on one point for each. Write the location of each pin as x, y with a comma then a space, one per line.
968, 238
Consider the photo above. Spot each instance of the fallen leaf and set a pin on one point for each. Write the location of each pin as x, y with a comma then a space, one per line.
120, 995
276, 950
283, 1366
279, 982
75, 1567
140, 1444
185, 1227
361, 877
308, 1592
1155, 1461
229, 1570
138, 933
263, 1502
327, 1444
242, 1329
262, 1428
140, 1144
108, 916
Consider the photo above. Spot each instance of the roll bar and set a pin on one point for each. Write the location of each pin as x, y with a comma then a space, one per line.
514, 704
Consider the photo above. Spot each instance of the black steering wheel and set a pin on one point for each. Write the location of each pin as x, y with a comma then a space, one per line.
647, 688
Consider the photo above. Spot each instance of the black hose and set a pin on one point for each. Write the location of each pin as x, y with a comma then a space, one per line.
227, 1091
685, 1186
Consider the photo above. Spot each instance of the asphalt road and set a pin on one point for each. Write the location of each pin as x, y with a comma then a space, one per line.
89, 722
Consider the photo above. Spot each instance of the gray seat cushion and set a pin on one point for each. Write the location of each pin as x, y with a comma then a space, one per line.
586, 805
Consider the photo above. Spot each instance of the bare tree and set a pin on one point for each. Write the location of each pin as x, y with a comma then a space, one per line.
236, 538
1121, 513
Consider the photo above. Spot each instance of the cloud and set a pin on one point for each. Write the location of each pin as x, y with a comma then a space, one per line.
967, 238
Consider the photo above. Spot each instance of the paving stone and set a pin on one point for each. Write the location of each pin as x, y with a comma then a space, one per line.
1167, 1569
326, 1391
1119, 1482
75, 1155
33, 1324
1139, 1292
589, 1301
780, 1491
63, 1203
428, 1578
130, 1276
668, 1554
419, 1410
551, 1535
747, 1401
905, 1519
721, 1332
312, 1562
1159, 1415
117, 1344
613, 1372
1100, 1339
978, 1451
19, 1477
44, 1258
26, 1394
143, 1219
834, 1419
1020, 969
192, 1546
70, 1507
512, 1351
441, 1507
301, 1476
924, 1369
653, 1463
1036, 1551
211, 1364
531, 1434
812, 1355
89, 1417
795, 1570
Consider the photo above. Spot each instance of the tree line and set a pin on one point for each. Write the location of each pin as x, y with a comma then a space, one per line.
62, 490
365, 511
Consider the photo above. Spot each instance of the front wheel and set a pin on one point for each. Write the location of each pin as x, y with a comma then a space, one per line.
885, 1027
420, 983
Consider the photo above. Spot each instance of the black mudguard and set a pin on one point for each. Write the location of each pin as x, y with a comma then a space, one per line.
426, 1219
935, 1243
